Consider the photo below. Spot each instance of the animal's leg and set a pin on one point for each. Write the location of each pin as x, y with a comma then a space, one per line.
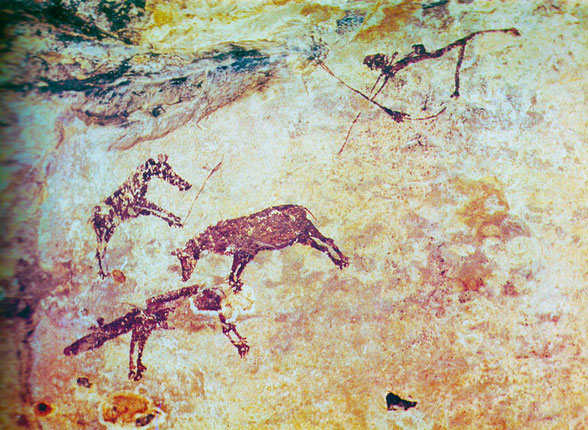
457, 69
241, 342
104, 228
313, 232
311, 242
100, 252
131, 352
240, 260
149, 208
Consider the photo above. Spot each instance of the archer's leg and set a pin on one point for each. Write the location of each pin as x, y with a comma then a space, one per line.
131, 352
457, 69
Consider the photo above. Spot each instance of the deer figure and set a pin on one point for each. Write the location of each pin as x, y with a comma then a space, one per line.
273, 228
129, 201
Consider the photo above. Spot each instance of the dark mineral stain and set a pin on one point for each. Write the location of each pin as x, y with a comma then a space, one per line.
12, 307
89, 86
434, 4
242, 59
178, 81
84, 382
120, 13
43, 409
25, 312
239, 53
394, 402
143, 421
350, 21
107, 18
248, 64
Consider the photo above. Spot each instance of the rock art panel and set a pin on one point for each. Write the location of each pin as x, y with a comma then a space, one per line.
458, 215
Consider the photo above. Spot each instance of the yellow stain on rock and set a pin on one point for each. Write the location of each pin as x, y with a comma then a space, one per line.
394, 17
118, 276
487, 207
122, 407
320, 12
165, 13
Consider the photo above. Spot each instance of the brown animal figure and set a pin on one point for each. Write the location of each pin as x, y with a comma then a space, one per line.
273, 228
143, 322
129, 202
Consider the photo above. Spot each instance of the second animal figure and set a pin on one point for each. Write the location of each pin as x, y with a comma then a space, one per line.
273, 228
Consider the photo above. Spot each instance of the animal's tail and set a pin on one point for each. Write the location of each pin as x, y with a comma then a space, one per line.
92, 218
307, 210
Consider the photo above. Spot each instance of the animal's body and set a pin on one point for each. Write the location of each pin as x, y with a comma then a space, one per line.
130, 201
273, 228
142, 323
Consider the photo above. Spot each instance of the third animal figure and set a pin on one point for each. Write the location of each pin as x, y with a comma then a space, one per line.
276, 227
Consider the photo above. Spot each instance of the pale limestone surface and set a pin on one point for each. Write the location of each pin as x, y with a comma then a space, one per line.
467, 284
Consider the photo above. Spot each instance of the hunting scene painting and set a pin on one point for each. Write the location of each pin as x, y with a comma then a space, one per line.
294, 214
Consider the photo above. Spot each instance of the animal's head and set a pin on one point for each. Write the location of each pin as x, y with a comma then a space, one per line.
188, 257
375, 61
161, 169
379, 61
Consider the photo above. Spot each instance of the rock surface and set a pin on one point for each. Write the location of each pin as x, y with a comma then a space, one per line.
466, 294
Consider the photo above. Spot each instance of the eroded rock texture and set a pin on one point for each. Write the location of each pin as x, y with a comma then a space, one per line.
133, 93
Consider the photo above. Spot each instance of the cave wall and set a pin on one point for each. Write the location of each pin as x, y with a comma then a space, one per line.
463, 218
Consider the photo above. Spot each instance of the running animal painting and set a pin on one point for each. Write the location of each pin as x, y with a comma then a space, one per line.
129, 201
273, 228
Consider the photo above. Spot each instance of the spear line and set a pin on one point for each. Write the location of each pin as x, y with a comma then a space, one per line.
212, 172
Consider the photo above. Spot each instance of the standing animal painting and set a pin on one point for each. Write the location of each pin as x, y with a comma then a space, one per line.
130, 201
273, 228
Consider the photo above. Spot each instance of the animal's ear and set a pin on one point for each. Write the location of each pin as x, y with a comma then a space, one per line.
162, 158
